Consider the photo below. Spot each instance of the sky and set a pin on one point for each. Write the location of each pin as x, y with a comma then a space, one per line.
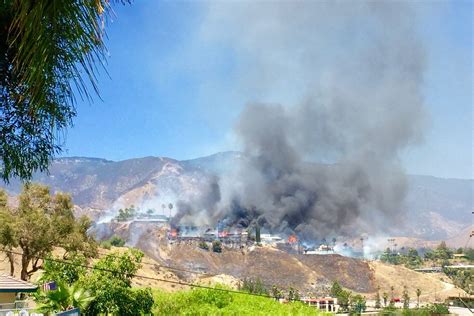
177, 82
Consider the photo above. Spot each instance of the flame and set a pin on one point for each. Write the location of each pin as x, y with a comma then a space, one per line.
173, 233
292, 239
223, 234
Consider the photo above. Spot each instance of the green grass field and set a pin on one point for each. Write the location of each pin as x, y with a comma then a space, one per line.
213, 302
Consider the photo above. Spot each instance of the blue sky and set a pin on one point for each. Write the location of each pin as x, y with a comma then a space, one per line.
174, 92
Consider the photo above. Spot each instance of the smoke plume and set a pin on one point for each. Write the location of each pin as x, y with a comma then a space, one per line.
341, 90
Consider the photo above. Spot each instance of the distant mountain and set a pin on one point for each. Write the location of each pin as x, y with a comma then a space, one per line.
436, 208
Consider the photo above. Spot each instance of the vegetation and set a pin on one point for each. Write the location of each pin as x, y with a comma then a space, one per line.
215, 302
203, 245
115, 241
107, 286
293, 294
216, 246
40, 223
418, 294
258, 239
126, 214
358, 304
48, 52
63, 298
406, 298
343, 296
463, 278
276, 292
378, 303
411, 259
253, 286
442, 253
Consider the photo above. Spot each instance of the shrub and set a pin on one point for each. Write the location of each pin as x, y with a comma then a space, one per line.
117, 241
203, 245
216, 246
254, 286
358, 304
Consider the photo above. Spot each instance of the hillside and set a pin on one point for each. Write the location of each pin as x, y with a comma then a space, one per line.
436, 208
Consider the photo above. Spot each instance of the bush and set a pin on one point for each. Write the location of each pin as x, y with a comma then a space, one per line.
254, 286
203, 245
106, 244
117, 241
358, 304
113, 241
216, 246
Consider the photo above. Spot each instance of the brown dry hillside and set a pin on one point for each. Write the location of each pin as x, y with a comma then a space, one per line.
311, 273
351, 273
433, 286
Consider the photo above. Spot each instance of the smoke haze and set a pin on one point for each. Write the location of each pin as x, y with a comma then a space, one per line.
334, 97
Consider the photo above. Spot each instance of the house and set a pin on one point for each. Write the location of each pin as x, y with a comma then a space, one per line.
328, 304
10, 287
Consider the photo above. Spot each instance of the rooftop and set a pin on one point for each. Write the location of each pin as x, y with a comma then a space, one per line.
9, 284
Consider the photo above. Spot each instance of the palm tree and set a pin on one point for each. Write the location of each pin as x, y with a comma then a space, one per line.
49, 51
63, 298
418, 294
170, 206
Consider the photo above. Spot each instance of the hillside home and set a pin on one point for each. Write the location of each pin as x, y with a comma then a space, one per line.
9, 289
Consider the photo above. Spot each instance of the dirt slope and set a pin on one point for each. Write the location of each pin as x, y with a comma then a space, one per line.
309, 273
433, 286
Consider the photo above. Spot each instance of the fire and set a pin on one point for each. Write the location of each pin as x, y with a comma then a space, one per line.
173, 233
292, 239
223, 234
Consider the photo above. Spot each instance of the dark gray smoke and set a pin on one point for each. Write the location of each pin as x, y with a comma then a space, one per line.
325, 159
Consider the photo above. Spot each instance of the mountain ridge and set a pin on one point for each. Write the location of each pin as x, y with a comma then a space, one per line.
442, 206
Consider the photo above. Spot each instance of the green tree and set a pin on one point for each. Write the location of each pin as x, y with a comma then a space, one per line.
110, 283
377, 299
254, 286
336, 289
385, 298
358, 304
406, 298
343, 296
418, 294
65, 273
49, 52
216, 246
257, 234
203, 245
293, 294
276, 292
413, 260
40, 223
116, 241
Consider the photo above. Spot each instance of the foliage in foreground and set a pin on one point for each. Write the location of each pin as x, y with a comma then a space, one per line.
108, 286
432, 309
49, 54
215, 302
41, 222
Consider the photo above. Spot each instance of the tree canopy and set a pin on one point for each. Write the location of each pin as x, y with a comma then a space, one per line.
103, 288
40, 223
49, 52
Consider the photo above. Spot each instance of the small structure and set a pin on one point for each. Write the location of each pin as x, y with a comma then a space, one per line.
270, 239
328, 304
9, 288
